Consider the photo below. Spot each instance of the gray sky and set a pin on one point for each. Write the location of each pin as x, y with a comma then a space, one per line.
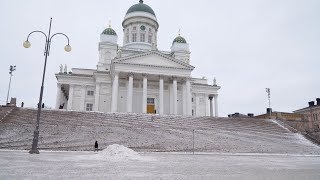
247, 45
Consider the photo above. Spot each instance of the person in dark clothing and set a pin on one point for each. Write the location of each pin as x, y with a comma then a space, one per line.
22, 104
96, 146
42, 105
61, 106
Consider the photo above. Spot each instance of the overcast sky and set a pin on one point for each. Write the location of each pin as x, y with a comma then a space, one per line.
247, 45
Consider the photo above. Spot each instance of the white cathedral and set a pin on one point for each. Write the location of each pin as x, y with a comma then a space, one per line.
138, 77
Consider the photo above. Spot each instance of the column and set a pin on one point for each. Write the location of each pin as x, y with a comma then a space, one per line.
83, 98
144, 93
188, 95
115, 83
211, 107
216, 105
129, 92
70, 99
161, 95
184, 99
170, 98
197, 105
59, 96
97, 97
175, 96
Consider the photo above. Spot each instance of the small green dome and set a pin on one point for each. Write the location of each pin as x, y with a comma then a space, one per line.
179, 39
109, 31
141, 7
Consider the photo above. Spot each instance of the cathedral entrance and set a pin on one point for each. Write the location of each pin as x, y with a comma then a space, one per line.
150, 106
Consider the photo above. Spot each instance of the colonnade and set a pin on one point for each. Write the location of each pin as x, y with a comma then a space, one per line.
186, 91
115, 88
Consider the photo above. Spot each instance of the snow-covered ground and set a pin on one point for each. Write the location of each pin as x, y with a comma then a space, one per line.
74, 131
17, 164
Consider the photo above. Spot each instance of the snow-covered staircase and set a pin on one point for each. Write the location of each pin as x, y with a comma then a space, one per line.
72, 130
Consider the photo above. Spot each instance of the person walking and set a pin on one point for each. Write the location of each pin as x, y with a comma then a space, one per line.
96, 146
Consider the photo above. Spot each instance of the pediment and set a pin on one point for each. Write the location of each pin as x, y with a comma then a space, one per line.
154, 59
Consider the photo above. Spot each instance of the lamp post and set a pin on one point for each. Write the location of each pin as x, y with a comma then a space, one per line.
268, 92
26, 44
12, 68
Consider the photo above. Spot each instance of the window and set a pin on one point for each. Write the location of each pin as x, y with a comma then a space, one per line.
134, 37
149, 39
134, 28
142, 28
150, 100
89, 93
142, 37
89, 107
191, 99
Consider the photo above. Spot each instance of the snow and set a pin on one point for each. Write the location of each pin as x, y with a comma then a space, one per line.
279, 124
77, 131
118, 152
85, 165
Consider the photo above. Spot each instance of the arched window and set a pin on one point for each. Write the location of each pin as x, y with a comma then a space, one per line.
107, 56
134, 37
149, 38
142, 37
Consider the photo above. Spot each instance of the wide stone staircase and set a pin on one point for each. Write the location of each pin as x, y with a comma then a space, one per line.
73, 130
4, 111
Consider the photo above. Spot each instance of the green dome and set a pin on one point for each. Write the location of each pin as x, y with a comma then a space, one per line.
141, 7
109, 31
179, 39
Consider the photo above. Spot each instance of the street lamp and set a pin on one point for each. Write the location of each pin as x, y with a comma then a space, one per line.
12, 68
27, 44
269, 92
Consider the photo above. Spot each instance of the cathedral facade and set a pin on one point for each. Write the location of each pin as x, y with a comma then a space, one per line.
137, 77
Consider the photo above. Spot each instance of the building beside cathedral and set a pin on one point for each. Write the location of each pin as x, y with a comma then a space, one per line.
137, 77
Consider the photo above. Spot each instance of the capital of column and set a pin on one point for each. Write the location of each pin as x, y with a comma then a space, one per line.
115, 73
130, 74
185, 79
210, 98
145, 75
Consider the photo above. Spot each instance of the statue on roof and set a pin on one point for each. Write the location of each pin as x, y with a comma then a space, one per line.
65, 69
61, 68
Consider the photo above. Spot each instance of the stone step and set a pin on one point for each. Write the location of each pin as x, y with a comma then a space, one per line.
72, 130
